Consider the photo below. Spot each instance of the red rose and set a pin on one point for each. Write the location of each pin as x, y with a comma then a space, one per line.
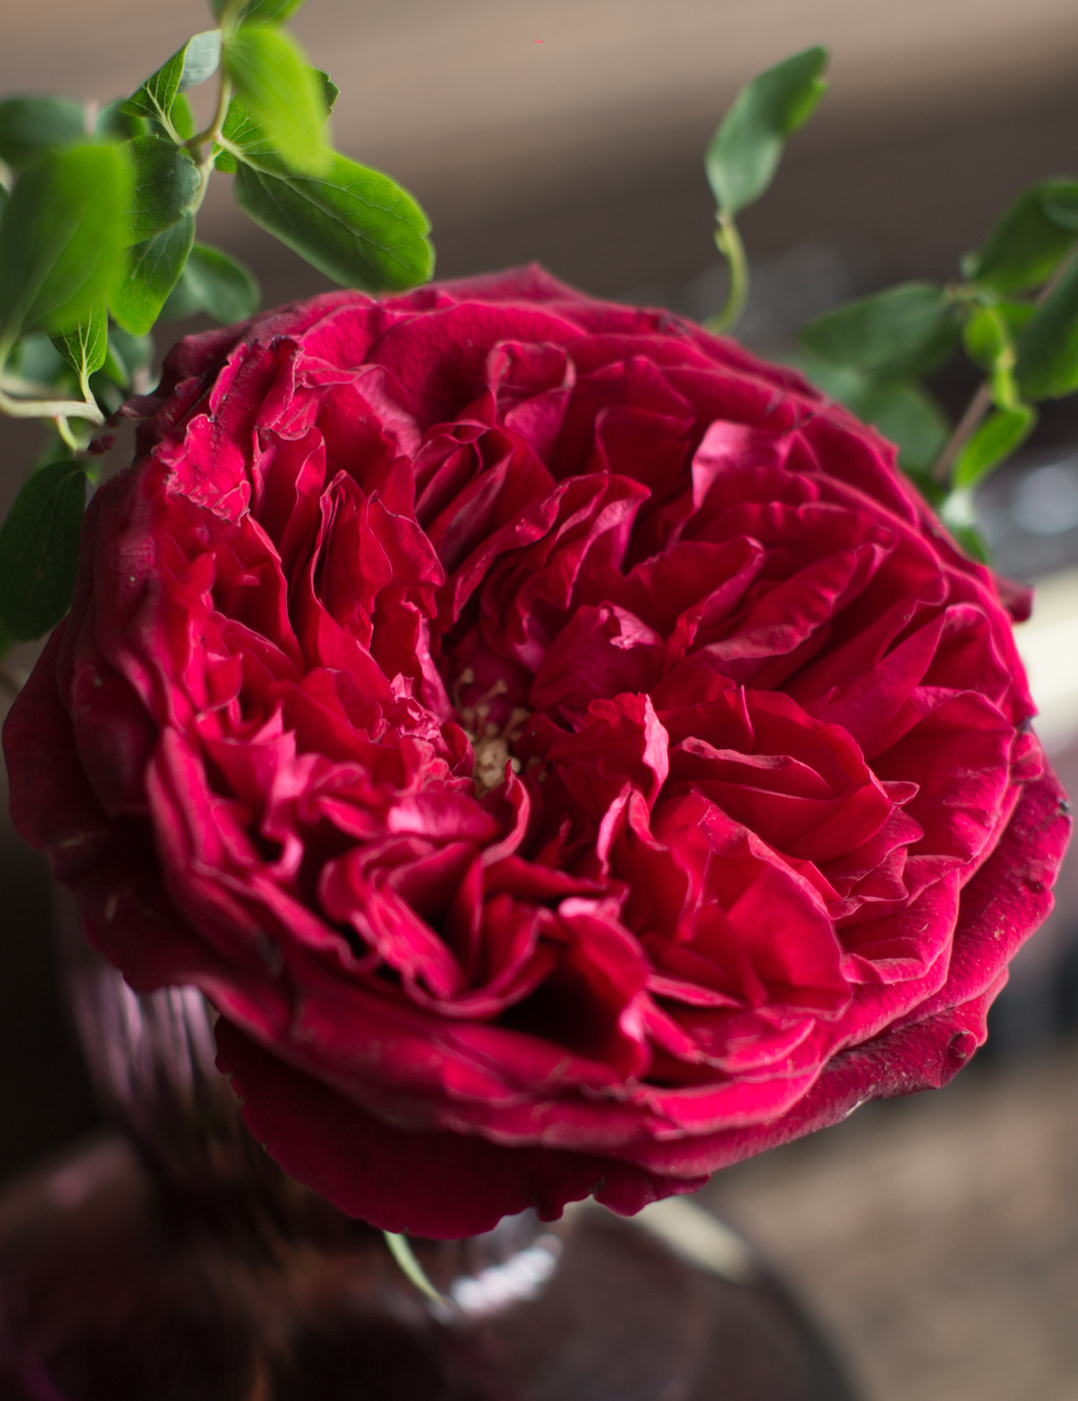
563, 748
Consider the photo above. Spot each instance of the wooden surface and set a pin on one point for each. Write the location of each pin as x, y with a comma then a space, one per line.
936, 1238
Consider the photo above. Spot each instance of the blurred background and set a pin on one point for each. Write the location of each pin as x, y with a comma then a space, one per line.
937, 1238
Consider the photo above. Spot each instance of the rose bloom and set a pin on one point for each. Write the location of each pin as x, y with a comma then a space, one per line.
564, 749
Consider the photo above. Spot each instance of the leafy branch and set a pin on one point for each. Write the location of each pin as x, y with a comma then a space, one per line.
98, 243
744, 155
873, 354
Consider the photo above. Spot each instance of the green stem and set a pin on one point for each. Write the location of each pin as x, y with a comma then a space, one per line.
213, 131
211, 134
728, 242
14, 384
50, 408
64, 430
229, 15
967, 425
401, 1250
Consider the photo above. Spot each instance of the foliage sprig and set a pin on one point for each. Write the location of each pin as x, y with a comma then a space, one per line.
1013, 311
98, 242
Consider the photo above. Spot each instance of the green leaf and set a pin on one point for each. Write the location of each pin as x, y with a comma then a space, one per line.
1059, 201
85, 346
193, 64
1047, 366
36, 358
153, 269
959, 515
242, 135
4, 197
114, 370
183, 121
126, 355
356, 225
1001, 434
330, 90
166, 182
910, 418
39, 548
746, 149
215, 283
201, 59
1025, 247
988, 342
972, 541
62, 239
901, 333
136, 351
905, 414
282, 94
1016, 315
31, 125
242, 130
114, 124
264, 11
986, 336
183, 300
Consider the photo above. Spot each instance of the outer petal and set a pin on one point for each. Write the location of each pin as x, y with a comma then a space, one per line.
441, 1185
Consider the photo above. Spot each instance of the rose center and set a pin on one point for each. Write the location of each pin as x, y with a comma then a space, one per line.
491, 740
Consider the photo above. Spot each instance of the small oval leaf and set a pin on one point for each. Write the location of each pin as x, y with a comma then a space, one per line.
39, 550
153, 269
62, 238
1026, 245
85, 346
159, 96
354, 224
1047, 365
1001, 434
216, 284
898, 334
201, 59
280, 90
904, 413
264, 11
746, 149
31, 125
114, 124
166, 182
330, 90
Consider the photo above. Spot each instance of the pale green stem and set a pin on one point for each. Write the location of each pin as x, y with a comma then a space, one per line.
58, 409
213, 131
50, 408
402, 1252
211, 135
63, 427
728, 242
19, 386
229, 15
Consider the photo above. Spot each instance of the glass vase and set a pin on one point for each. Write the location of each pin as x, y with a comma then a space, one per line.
170, 1260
